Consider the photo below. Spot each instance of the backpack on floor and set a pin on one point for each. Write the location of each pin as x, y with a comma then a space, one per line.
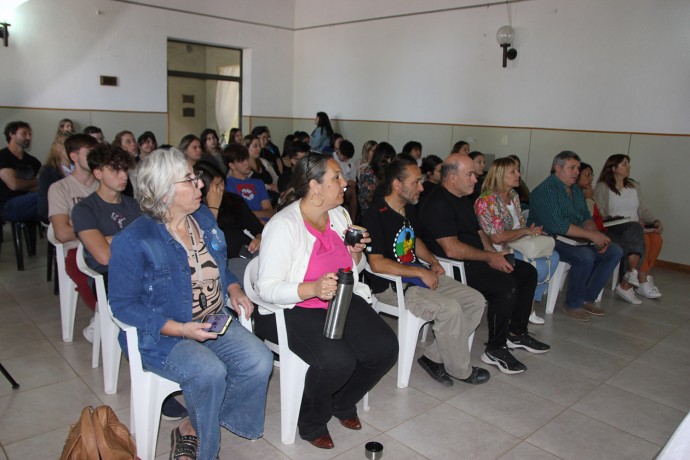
98, 434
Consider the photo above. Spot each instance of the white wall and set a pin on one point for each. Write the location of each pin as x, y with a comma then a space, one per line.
58, 49
612, 65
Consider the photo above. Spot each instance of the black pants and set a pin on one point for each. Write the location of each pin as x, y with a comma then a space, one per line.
340, 371
508, 295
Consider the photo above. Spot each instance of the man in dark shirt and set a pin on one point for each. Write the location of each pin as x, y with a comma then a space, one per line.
455, 308
19, 174
507, 286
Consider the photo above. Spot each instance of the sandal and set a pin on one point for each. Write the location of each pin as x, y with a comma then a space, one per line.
183, 446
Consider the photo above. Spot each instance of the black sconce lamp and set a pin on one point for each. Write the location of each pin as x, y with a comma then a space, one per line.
5, 33
505, 36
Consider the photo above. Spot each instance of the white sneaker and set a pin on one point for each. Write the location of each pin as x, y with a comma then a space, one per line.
628, 296
648, 290
89, 330
535, 319
631, 277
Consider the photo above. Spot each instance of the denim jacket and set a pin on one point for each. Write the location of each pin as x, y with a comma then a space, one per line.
150, 280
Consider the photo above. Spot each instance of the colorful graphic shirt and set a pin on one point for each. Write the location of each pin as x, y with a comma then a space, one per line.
252, 190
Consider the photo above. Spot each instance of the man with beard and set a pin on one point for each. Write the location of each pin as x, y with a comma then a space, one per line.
19, 174
456, 309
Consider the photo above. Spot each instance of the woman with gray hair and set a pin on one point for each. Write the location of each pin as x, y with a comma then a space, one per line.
167, 276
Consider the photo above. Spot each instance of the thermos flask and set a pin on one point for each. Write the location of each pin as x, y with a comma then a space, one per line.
339, 305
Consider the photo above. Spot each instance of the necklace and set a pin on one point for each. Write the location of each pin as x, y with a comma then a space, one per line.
198, 269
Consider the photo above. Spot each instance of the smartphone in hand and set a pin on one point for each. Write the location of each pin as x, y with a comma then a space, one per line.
219, 323
510, 258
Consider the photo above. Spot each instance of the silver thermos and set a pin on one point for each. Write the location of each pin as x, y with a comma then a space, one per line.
339, 305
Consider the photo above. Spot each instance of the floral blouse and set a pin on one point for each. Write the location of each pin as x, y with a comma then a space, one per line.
493, 214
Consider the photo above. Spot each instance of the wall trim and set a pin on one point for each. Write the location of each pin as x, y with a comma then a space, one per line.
80, 110
673, 266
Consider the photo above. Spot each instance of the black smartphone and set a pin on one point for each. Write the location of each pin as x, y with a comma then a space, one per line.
219, 323
244, 252
510, 258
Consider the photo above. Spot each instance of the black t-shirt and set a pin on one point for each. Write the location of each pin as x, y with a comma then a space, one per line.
392, 235
26, 168
442, 215
234, 216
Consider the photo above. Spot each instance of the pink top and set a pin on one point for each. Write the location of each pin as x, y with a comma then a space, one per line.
328, 256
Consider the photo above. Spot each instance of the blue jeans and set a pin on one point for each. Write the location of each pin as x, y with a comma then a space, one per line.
589, 271
545, 271
224, 383
21, 208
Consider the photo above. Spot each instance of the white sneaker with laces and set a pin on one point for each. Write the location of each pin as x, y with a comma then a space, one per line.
631, 277
89, 330
535, 319
648, 290
628, 296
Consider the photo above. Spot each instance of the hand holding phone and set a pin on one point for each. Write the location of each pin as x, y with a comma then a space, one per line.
510, 258
219, 323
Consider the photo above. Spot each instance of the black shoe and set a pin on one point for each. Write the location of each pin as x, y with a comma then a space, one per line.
526, 342
504, 360
173, 410
477, 377
436, 370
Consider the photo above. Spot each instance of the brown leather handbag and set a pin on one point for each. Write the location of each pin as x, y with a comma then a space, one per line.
99, 435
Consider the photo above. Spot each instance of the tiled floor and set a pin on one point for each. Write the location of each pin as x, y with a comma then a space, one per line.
616, 387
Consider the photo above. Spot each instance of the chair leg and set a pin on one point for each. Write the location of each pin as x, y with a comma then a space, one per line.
31, 234
96, 350
408, 330
111, 354
7, 375
17, 239
50, 263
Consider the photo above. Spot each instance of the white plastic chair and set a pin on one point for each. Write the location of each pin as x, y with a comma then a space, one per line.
292, 369
556, 285
408, 327
678, 446
448, 265
68, 293
105, 331
147, 393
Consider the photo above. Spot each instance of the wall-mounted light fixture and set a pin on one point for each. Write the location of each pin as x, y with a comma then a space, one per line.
505, 36
5, 33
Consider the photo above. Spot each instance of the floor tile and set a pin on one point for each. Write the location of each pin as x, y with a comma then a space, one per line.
525, 450
629, 412
507, 407
36, 370
392, 449
657, 385
44, 445
667, 358
573, 436
446, 432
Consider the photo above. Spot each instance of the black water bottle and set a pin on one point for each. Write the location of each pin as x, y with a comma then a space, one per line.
339, 305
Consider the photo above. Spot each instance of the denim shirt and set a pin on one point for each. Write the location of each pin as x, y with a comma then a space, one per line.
150, 280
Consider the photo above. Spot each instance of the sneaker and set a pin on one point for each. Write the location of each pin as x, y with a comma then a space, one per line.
535, 319
173, 410
504, 360
648, 290
578, 313
593, 309
628, 296
89, 330
631, 277
526, 342
437, 371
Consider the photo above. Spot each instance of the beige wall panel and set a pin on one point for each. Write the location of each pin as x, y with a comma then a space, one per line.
358, 132
593, 148
661, 165
434, 138
279, 127
496, 141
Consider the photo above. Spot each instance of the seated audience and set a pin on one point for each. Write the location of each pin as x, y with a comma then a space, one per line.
479, 167
333, 144
301, 136
522, 189
168, 274
508, 287
62, 196
127, 142
500, 216
618, 195
585, 180
454, 308
147, 143
297, 151
461, 147
431, 170
260, 167
211, 149
348, 166
95, 132
190, 145
558, 205
268, 151
414, 149
367, 154
373, 174
235, 136
301, 251
252, 190
231, 211
57, 166
19, 175
65, 127
321, 136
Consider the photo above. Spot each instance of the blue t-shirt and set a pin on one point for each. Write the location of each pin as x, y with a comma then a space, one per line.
252, 190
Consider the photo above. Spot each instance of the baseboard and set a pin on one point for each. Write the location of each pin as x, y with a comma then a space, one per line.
673, 266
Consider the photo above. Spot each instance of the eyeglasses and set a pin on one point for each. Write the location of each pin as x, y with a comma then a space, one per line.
196, 177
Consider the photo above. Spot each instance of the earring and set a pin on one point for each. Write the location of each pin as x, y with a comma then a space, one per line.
311, 199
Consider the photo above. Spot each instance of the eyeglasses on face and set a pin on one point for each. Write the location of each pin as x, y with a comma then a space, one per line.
194, 179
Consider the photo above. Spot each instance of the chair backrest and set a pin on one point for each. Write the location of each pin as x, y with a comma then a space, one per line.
101, 295
448, 265
251, 274
59, 249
